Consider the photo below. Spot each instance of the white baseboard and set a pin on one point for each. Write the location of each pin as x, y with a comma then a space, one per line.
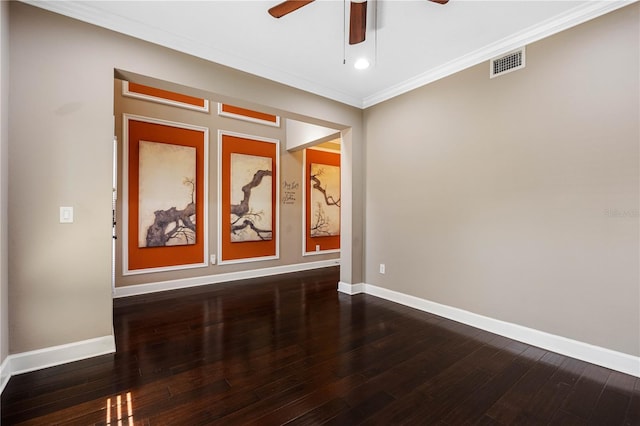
55, 355
134, 290
604, 357
5, 375
62, 354
350, 289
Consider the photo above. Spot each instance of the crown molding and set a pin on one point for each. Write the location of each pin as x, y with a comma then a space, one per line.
89, 13
571, 18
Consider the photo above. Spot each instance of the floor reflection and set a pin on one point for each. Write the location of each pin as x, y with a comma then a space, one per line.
115, 414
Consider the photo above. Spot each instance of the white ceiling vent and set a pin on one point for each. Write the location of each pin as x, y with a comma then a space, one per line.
506, 63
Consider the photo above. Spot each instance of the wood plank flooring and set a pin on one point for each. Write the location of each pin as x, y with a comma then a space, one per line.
292, 350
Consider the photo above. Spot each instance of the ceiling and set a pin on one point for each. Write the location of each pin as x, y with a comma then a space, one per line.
409, 43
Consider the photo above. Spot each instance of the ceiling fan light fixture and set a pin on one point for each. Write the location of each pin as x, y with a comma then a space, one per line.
362, 64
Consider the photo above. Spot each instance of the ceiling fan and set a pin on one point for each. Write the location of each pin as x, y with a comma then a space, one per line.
357, 15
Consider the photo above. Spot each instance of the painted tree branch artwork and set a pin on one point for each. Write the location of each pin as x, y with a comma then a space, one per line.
166, 195
325, 200
251, 198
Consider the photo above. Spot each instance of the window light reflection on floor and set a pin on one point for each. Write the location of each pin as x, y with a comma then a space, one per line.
119, 420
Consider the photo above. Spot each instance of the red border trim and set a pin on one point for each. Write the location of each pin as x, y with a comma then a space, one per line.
158, 257
325, 243
248, 249
249, 113
165, 94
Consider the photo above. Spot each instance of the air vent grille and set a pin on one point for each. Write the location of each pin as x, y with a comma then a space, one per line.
506, 63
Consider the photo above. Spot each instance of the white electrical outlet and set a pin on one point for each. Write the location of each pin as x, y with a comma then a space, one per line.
382, 268
317, 247
213, 259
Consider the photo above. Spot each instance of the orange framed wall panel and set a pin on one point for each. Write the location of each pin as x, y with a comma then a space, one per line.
240, 180
135, 90
143, 258
318, 242
226, 110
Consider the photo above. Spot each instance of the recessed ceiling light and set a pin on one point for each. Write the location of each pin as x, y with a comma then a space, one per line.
361, 64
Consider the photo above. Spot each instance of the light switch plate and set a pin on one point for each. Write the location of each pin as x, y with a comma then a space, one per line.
66, 214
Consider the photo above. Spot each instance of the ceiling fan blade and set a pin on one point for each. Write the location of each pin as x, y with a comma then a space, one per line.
287, 6
440, 1
357, 22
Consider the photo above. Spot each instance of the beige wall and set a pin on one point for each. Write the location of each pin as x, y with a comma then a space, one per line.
290, 171
61, 134
4, 181
517, 198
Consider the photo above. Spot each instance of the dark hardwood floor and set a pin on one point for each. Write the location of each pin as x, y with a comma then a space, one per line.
292, 350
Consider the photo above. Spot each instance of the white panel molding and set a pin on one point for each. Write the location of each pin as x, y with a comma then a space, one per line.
55, 355
135, 290
604, 357
276, 231
222, 113
573, 17
126, 118
127, 92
